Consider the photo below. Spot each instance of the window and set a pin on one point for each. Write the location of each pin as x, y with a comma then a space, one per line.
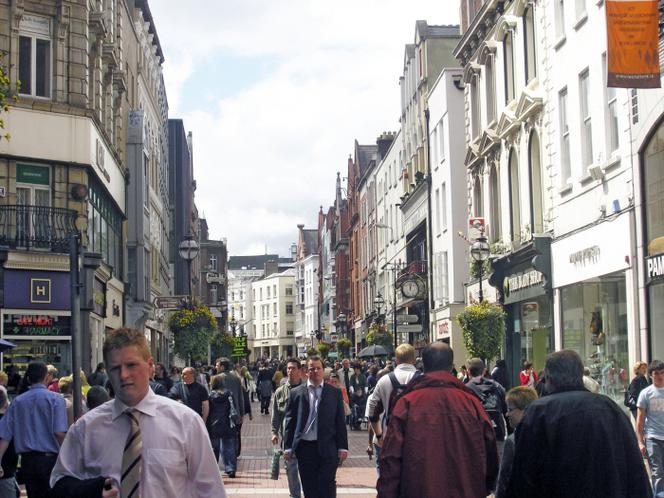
529, 41
146, 184
289, 308
634, 103
611, 112
478, 209
508, 49
494, 201
536, 197
559, 7
438, 221
580, 9
104, 227
565, 163
274, 309
213, 294
475, 105
443, 206
268, 292
515, 198
34, 56
34, 226
289, 291
441, 140
586, 123
274, 290
490, 89
213, 263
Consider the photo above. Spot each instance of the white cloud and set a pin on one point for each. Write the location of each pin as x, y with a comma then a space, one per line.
266, 156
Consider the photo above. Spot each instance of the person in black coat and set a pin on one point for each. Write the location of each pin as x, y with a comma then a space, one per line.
638, 384
315, 432
222, 423
574, 443
499, 374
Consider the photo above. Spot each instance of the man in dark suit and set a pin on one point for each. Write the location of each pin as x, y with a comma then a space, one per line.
315, 430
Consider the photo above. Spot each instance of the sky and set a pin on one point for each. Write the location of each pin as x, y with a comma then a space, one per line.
275, 93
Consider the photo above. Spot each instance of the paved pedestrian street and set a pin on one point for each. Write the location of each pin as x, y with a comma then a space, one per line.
357, 476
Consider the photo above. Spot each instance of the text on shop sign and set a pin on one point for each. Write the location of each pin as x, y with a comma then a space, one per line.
584, 257
655, 266
524, 280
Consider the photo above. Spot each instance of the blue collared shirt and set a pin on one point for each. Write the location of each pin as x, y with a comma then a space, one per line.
32, 420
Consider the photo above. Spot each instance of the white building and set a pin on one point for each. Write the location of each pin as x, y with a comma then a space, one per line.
449, 209
274, 315
307, 288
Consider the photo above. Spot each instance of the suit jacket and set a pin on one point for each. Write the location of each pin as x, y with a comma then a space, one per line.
332, 435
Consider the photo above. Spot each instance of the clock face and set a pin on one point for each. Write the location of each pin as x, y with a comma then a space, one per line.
410, 288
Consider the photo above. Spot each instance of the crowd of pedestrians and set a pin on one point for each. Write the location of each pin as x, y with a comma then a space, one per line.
148, 432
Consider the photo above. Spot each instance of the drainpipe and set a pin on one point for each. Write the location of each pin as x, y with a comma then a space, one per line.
429, 226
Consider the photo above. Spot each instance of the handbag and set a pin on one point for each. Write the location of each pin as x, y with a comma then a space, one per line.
233, 415
629, 401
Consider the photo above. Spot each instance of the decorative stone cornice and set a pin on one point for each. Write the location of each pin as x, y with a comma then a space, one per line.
505, 23
471, 70
487, 49
530, 102
34, 260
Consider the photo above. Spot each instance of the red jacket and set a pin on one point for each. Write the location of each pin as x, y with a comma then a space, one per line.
440, 442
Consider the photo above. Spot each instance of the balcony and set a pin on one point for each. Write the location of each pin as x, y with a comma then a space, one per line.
36, 227
414, 268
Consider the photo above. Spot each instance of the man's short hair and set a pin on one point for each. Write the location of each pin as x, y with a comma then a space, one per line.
563, 370
100, 366
521, 396
314, 358
36, 372
476, 367
97, 395
437, 356
405, 353
225, 362
125, 337
294, 360
655, 366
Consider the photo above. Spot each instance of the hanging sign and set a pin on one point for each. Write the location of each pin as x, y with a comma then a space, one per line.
632, 28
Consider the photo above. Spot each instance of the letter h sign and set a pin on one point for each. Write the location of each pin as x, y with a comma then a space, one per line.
40, 290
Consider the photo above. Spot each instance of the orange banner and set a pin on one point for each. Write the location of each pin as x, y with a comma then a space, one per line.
633, 43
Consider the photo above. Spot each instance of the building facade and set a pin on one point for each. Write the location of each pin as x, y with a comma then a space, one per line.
307, 266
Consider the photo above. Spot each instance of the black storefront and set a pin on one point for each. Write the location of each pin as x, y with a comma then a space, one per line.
522, 279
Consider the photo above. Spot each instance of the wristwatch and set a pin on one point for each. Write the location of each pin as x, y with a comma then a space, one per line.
379, 436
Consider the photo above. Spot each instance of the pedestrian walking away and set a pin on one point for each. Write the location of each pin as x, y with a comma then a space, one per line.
138, 444
222, 423
650, 425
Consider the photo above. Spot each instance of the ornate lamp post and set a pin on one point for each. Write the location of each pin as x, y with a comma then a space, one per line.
233, 324
379, 301
188, 250
480, 252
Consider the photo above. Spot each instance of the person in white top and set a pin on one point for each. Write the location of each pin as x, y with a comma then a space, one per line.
176, 458
379, 400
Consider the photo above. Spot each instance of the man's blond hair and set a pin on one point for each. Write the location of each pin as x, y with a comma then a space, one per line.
405, 353
124, 337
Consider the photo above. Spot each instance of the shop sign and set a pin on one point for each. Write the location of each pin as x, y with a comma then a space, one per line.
27, 173
36, 325
655, 267
444, 328
523, 285
37, 290
240, 346
585, 257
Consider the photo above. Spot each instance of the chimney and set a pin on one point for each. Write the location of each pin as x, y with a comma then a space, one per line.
384, 142
271, 267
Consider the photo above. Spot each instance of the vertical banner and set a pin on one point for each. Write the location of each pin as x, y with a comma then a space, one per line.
632, 28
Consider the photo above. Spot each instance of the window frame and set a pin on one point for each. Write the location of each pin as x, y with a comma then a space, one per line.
565, 150
508, 66
35, 34
585, 114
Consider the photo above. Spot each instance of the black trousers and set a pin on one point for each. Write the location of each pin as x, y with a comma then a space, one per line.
318, 474
36, 471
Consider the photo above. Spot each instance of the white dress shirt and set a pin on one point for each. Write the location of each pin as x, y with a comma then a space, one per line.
177, 456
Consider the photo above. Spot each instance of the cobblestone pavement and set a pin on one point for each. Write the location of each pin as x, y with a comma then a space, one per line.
356, 477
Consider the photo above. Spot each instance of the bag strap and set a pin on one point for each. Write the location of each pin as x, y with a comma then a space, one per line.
185, 392
395, 382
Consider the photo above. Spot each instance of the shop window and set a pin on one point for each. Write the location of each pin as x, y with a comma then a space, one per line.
515, 198
653, 185
34, 56
532, 321
594, 319
536, 194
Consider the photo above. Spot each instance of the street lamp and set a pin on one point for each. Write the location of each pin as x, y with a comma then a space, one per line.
379, 301
480, 251
188, 250
233, 324
341, 323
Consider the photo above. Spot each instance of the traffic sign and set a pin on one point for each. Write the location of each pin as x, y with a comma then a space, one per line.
170, 302
407, 318
409, 328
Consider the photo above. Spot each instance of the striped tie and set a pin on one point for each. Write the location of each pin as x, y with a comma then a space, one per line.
131, 458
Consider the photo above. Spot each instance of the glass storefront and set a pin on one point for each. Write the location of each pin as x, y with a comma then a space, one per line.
656, 321
594, 324
56, 353
532, 321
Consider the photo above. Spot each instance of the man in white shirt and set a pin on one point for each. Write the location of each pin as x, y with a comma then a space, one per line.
379, 400
138, 444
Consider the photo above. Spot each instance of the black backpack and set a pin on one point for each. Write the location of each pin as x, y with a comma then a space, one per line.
397, 391
493, 403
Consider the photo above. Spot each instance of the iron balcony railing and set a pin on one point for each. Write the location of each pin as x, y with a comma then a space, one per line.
414, 268
36, 227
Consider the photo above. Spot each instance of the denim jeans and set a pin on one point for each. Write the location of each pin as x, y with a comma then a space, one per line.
294, 486
377, 450
655, 450
226, 446
9, 488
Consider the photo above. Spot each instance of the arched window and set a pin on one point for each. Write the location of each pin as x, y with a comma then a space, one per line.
490, 89
536, 195
478, 208
475, 105
494, 204
515, 198
508, 52
529, 42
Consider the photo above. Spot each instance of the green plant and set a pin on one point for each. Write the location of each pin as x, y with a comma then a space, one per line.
475, 268
192, 330
343, 346
312, 352
222, 345
483, 326
379, 335
323, 349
